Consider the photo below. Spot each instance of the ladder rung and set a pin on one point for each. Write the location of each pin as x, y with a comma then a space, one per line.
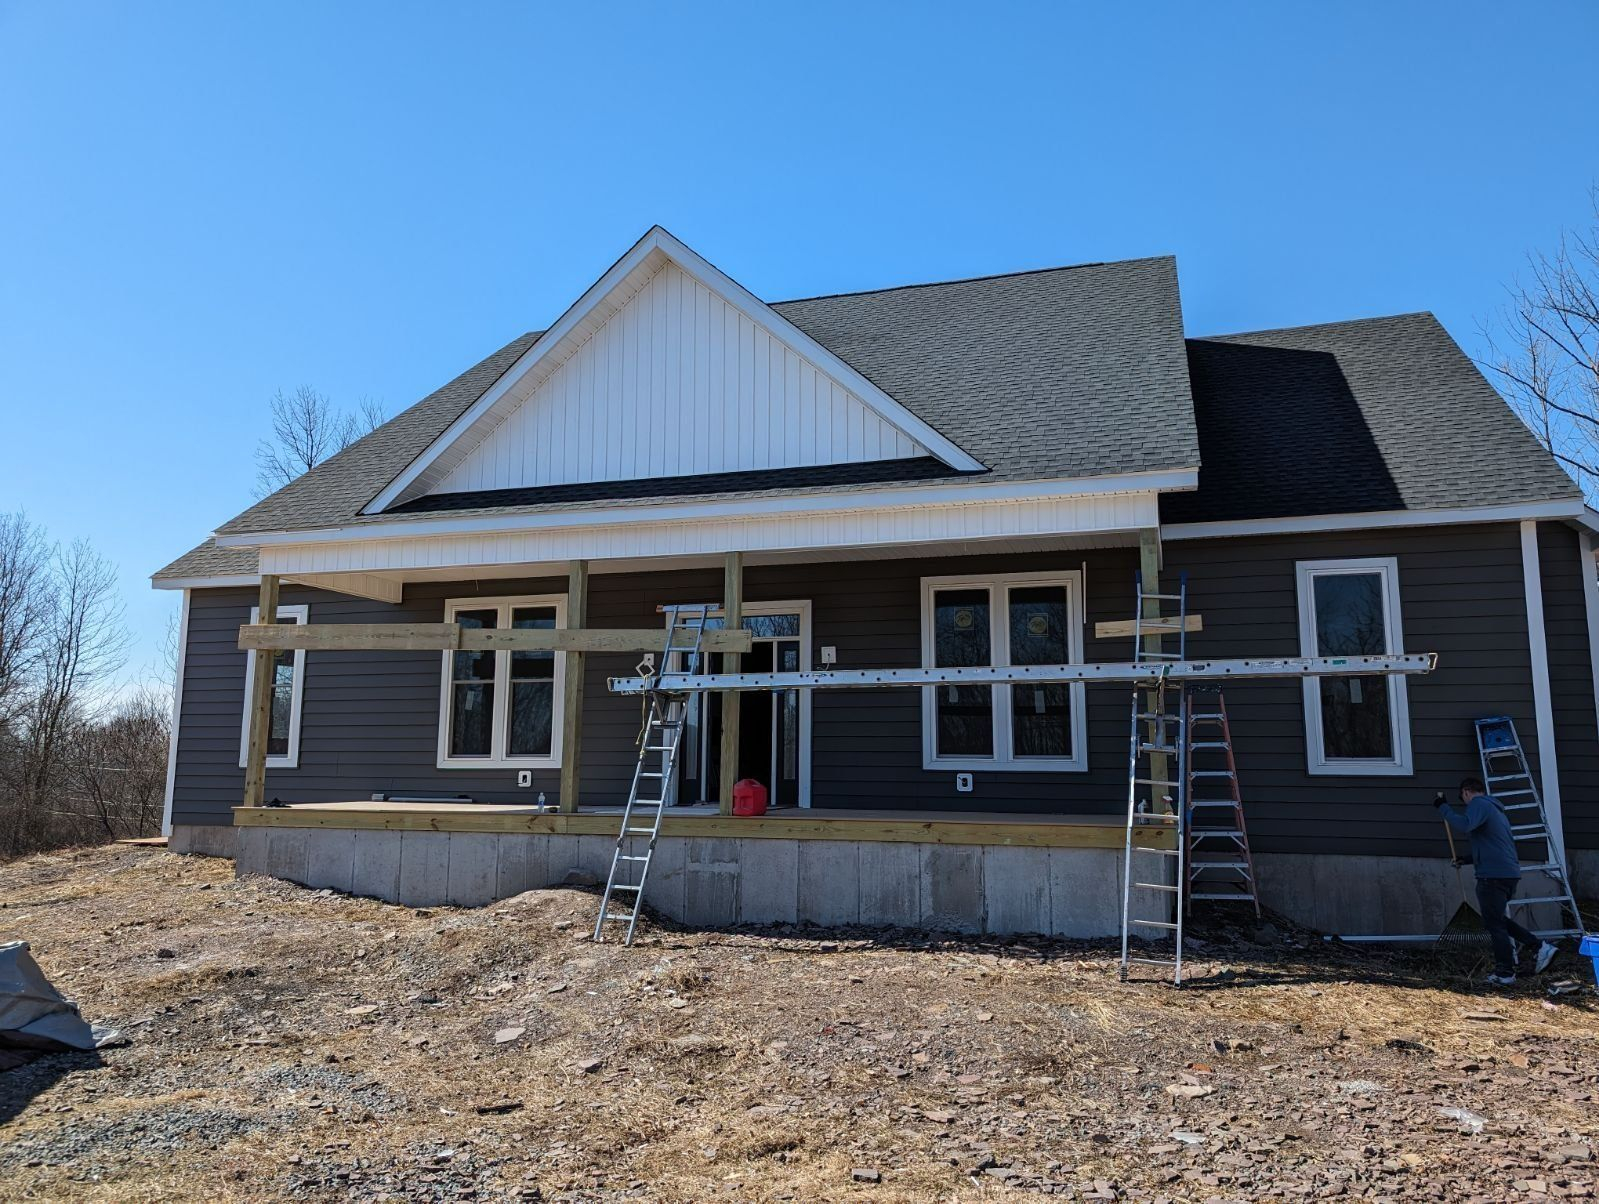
1195, 867
1160, 597
1513, 793
1209, 744
1202, 833
1153, 961
613, 915
1155, 924
1540, 899
640, 831
616, 886
1546, 868
650, 773
1160, 748
1211, 773
632, 857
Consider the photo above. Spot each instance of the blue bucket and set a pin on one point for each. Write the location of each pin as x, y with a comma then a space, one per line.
1590, 949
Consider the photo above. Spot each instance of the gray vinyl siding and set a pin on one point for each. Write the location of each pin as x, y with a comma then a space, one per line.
1461, 596
1571, 687
370, 719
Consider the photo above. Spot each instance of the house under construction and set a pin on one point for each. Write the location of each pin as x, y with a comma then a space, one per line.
963, 478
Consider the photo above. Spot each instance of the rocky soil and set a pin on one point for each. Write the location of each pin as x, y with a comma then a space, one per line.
289, 1044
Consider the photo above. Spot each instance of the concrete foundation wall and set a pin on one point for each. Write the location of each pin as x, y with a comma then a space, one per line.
205, 840
713, 882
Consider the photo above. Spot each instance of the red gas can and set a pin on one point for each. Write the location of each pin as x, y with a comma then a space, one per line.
749, 797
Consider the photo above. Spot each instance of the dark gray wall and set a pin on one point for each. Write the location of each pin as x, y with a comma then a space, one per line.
370, 720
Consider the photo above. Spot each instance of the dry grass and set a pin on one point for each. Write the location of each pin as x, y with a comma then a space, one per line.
298, 1044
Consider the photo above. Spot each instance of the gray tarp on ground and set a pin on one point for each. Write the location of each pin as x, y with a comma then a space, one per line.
34, 1015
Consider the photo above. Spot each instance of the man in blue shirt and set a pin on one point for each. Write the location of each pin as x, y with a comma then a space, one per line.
1493, 852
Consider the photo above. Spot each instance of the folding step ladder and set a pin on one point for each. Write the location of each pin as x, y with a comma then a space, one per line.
1509, 779
1219, 863
654, 776
1153, 875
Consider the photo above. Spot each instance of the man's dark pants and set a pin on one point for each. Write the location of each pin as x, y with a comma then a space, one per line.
1493, 896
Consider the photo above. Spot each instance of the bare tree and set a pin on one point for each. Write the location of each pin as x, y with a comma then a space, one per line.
23, 587
307, 429
1545, 350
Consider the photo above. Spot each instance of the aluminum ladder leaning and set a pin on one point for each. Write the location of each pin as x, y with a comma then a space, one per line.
1220, 866
1152, 873
654, 775
1509, 779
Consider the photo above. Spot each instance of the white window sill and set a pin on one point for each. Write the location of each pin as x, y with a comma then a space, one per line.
1359, 769
501, 763
978, 765
274, 763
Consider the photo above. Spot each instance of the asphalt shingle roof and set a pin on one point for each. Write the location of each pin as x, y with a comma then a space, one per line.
1058, 374
1376, 414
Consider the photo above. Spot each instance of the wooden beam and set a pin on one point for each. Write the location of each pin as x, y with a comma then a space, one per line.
260, 700
1149, 567
402, 637
733, 610
358, 585
1121, 629
577, 614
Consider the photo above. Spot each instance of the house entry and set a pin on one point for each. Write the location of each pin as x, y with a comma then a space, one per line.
774, 727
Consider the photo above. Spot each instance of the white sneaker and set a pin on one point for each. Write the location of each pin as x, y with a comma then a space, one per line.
1501, 980
1546, 954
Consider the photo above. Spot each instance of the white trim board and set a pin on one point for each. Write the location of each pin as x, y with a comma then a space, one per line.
1299, 524
177, 716
1543, 707
598, 304
898, 497
1317, 762
909, 525
299, 613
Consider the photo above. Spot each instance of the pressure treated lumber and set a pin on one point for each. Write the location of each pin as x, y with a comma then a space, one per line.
403, 637
733, 615
260, 700
1125, 629
577, 602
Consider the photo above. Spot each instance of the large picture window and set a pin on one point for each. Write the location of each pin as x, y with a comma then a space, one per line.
1014, 619
288, 684
1353, 725
502, 708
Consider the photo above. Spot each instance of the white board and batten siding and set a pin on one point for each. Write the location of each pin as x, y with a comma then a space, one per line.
677, 382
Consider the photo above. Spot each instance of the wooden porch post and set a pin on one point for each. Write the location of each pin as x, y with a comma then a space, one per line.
1149, 566
577, 615
261, 700
733, 605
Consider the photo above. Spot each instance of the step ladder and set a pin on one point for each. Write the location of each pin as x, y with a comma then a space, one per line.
1220, 866
1509, 779
654, 776
1153, 875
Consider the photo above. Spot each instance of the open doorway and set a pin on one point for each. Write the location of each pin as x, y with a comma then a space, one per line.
774, 726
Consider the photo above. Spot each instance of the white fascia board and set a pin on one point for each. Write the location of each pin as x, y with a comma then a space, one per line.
1305, 524
660, 241
899, 497
231, 581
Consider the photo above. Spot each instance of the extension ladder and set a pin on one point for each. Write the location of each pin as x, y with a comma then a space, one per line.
1153, 877
1220, 866
1509, 779
654, 776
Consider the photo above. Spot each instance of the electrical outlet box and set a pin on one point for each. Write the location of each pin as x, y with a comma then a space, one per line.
649, 659
963, 783
524, 777
829, 654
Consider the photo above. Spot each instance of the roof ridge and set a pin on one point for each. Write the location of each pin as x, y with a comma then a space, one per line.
1244, 334
901, 288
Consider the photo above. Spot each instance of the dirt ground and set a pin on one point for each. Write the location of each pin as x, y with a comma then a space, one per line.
297, 1044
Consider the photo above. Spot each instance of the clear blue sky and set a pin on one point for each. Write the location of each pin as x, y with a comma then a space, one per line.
203, 203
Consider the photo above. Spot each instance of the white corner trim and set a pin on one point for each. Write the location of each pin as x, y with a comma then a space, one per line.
177, 716
1543, 707
1317, 762
286, 614
1308, 523
659, 243
1590, 604
907, 497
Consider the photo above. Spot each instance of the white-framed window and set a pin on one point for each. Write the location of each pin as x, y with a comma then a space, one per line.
288, 686
1353, 725
502, 708
1006, 619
